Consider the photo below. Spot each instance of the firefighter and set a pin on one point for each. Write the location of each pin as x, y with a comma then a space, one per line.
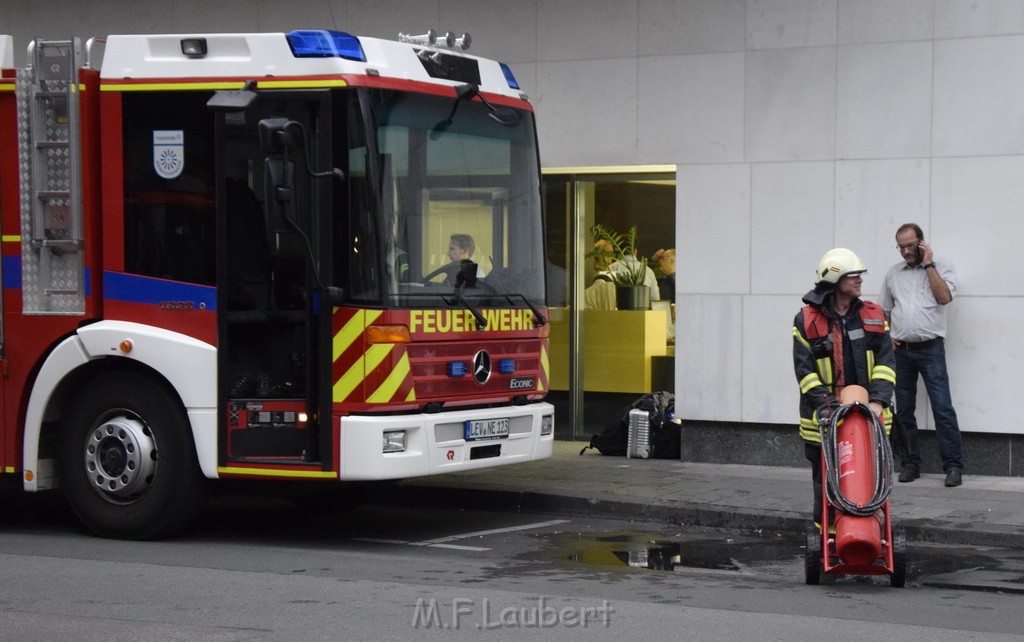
839, 340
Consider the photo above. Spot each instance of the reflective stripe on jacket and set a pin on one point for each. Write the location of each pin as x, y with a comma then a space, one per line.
814, 362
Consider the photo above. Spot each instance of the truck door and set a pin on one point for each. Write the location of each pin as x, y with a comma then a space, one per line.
273, 226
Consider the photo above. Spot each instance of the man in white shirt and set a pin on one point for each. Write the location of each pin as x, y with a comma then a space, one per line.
915, 293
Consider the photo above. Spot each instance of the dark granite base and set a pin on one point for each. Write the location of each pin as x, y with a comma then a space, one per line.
779, 445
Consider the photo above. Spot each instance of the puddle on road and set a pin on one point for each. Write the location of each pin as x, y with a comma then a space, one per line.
637, 550
992, 570
931, 565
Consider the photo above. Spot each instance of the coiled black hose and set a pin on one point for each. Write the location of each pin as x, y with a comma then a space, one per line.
883, 460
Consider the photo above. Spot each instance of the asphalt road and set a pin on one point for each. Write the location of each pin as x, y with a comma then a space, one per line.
267, 569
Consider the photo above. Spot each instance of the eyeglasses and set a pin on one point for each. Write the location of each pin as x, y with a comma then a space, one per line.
907, 246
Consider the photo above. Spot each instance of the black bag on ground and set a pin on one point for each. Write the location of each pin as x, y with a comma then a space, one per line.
660, 407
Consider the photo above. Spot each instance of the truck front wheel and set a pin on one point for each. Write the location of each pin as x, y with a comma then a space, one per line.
128, 463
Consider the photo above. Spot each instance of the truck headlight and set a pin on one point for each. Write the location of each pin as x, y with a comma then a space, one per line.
547, 424
394, 441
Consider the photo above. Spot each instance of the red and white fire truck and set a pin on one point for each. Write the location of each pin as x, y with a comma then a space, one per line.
227, 256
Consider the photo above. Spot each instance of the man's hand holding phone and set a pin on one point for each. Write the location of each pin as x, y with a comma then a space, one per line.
924, 253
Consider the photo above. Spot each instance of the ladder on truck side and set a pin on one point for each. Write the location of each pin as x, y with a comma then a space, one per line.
52, 257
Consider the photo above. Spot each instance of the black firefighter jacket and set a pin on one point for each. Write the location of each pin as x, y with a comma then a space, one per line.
814, 363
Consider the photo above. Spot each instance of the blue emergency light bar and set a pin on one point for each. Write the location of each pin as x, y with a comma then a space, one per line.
509, 77
325, 43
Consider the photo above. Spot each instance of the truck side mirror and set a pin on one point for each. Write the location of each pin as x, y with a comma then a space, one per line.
275, 136
279, 194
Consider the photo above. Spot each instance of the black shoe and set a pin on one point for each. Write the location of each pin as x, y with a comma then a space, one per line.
910, 472
954, 477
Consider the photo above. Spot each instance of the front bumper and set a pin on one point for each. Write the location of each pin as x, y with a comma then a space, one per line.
435, 442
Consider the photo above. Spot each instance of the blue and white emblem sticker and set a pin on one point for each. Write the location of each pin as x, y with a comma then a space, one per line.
168, 152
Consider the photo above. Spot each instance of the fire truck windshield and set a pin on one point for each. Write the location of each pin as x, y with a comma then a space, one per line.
450, 204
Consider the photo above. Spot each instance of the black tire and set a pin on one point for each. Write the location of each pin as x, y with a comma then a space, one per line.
898, 578
812, 558
128, 461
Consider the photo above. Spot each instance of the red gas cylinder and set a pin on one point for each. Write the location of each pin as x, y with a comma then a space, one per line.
858, 539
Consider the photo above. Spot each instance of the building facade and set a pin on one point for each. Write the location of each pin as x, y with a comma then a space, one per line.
794, 126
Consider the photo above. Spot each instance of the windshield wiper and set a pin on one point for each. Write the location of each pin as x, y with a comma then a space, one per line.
538, 318
481, 322
505, 115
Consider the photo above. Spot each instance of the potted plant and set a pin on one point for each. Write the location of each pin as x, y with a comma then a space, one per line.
627, 272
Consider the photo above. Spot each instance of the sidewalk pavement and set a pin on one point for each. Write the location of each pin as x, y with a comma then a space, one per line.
984, 511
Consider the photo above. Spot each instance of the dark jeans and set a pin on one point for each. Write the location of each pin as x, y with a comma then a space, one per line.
930, 363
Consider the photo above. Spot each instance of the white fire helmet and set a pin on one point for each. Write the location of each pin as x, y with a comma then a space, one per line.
837, 263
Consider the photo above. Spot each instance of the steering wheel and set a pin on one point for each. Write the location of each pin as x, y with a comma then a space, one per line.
449, 271
451, 276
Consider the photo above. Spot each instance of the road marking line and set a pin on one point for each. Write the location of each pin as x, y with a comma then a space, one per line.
443, 542
495, 531
459, 547
379, 540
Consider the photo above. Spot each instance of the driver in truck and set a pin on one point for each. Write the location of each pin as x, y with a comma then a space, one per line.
461, 248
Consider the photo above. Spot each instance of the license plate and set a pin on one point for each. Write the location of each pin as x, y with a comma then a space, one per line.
486, 429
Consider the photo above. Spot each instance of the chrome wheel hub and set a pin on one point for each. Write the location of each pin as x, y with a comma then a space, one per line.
120, 458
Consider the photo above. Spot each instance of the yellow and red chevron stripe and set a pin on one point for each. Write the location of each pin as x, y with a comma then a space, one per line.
363, 372
545, 367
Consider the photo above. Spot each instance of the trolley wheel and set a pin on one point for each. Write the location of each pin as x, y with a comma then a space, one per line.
128, 462
812, 558
898, 578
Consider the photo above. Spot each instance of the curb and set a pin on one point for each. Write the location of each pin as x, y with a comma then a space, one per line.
681, 513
